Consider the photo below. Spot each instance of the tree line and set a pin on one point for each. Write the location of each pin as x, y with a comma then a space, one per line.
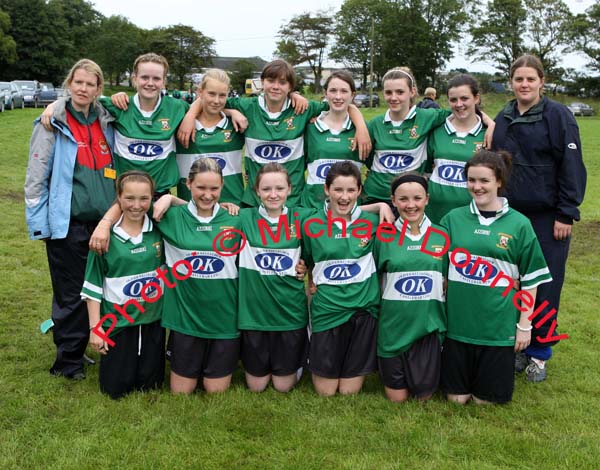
43, 38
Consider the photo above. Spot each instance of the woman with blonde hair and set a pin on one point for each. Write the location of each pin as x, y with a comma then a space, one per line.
68, 187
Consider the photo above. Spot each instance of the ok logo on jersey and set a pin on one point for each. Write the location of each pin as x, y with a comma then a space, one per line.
452, 173
322, 170
204, 264
274, 262
144, 149
396, 161
272, 152
414, 285
134, 288
481, 272
342, 271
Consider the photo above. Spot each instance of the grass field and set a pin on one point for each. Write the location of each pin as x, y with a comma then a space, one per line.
47, 422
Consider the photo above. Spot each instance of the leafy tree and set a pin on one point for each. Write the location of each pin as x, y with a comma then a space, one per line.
116, 46
585, 35
8, 47
185, 48
304, 39
242, 70
353, 33
548, 27
43, 51
497, 35
83, 24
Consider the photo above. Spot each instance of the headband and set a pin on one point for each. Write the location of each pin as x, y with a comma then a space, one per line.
409, 178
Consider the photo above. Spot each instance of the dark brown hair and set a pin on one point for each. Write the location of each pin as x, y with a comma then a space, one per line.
277, 69
343, 168
343, 75
136, 176
272, 167
527, 60
204, 165
499, 162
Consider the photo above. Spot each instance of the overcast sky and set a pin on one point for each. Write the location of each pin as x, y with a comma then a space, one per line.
245, 28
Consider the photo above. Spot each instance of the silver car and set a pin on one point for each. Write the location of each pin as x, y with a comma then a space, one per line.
581, 109
13, 96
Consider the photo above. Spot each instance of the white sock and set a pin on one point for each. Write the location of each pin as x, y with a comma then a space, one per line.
541, 364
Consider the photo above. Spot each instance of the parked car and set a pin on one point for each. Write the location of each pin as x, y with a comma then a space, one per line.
581, 109
48, 94
31, 91
362, 101
13, 96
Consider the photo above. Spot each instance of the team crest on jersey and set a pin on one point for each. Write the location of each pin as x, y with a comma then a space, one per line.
363, 242
413, 133
503, 240
290, 124
164, 122
158, 249
293, 233
229, 233
350, 142
226, 136
103, 146
437, 249
478, 146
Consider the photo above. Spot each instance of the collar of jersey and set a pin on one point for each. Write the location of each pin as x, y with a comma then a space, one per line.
411, 114
262, 103
490, 220
533, 114
354, 214
204, 220
222, 124
423, 226
263, 212
123, 236
450, 129
322, 126
147, 114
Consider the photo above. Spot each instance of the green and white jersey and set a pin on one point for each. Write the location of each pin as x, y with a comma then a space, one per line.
120, 275
146, 140
274, 137
398, 147
412, 301
271, 298
344, 268
478, 313
222, 144
205, 305
323, 148
448, 152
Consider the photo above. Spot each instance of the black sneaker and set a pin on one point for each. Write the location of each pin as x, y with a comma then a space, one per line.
521, 362
79, 375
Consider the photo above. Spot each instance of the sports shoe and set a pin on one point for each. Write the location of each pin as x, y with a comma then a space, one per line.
535, 373
521, 362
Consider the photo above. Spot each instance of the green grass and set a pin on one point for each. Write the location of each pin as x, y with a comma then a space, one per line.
51, 423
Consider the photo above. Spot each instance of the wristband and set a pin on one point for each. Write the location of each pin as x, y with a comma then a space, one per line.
520, 328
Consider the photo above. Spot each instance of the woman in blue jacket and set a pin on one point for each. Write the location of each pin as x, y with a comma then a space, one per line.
68, 187
547, 185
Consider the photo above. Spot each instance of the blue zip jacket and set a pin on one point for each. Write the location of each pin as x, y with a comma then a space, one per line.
49, 180
548, 173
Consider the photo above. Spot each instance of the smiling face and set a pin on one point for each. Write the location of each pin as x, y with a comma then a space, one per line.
84, 89
134, 200
343, 194
527, 86
273, 191
276, 91
398, 94
339, 95
410, 199
483, 186
462, 102
206, 190
213, 97
149, 80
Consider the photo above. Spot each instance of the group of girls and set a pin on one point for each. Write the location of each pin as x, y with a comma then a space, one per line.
256, 309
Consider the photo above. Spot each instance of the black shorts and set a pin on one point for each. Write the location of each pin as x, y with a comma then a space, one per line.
274, 352
194, 357
417, 369
129, 366
486, 372
346, 351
